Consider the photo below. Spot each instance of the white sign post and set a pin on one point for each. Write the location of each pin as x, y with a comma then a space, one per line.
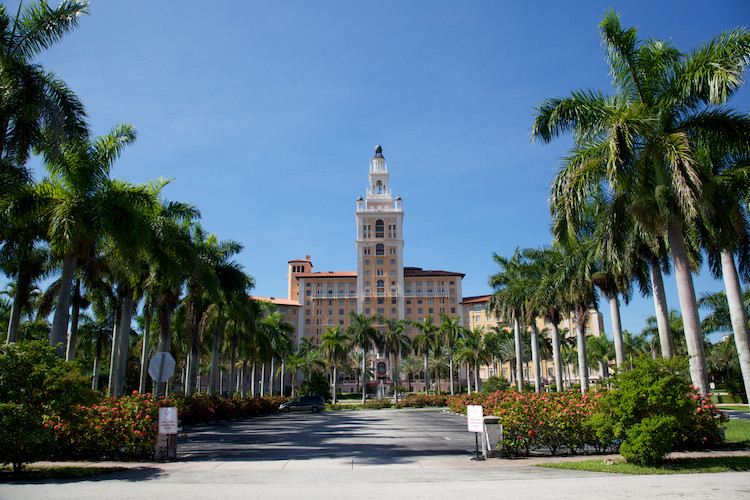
166, 440
475, 420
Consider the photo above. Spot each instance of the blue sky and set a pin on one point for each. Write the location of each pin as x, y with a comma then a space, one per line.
266, 114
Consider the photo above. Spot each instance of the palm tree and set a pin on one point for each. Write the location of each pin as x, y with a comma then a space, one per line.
396, 342
82, 203
410, 366
363, 335
509, 299
450, 327
471, 353
640, 142
423, 343
334, 347
600, 350
34, 101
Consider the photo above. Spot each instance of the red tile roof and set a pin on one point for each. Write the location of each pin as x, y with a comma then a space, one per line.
328, 274
476, 299
277, 301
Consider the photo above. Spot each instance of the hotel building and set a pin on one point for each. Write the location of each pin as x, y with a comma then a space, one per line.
381, 285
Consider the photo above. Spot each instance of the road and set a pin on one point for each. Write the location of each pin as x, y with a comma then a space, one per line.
363, 455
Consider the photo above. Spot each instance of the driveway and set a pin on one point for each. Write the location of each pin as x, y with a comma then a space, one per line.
364, 455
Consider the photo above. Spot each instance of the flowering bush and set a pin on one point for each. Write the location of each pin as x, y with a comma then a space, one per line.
126, 427
555, 421
421, 401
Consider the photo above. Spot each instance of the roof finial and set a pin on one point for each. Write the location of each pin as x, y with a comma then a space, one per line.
378, 152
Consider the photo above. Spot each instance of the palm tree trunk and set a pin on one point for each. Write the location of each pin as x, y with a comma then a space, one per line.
519, 353
272, 377
583, 366
213, 374
614, 309
233, 376
535, 359
283, 376
95, 368
450, 362
476, 377
660, 308
252, 379
59, 333
689, 308
468, 378
70, 353
426, 374
738, 315
556, 357
395, 382
335, 382
364, 375
14, 325
263, 379
120, 344
142, 386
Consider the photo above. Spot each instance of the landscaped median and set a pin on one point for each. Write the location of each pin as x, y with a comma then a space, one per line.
651, 411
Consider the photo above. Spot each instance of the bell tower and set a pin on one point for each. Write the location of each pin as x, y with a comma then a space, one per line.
380, 245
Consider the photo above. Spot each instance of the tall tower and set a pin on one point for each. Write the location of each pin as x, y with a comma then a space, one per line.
380, 245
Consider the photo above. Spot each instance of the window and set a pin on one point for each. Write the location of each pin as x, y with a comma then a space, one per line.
381, 310
307, 331
353, 302
393, 262
341, 312
419, 311
367, 262
330, 312
419, 301
453, 300
393, 300
367, 310
367, 272
307, 321
408, 310
381, 301
430, 301
380, 272
330, 321
393, 272
408, 331
307, 293
341, 302
431, 310
379, 228
367, 250
330, 302
307, 312
453, 310
367, 301
379, 249
392, 251
379, 262
393, 310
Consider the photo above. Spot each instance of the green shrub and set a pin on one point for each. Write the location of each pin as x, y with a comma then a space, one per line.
34, 383
494, 384
654, 410
647, 441
317, 386
377, 404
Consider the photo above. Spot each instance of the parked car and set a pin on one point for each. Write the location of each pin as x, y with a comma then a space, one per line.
311, 403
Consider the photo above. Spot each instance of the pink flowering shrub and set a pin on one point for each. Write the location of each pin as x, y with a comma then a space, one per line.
555, 421
421, 401
126, 427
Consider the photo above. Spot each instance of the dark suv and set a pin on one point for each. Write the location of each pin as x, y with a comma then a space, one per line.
312, 403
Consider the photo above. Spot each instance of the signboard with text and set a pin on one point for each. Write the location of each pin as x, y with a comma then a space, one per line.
168, 420
475, 418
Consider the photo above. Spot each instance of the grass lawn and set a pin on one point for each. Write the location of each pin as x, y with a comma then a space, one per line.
736, 435
39, 473
673, 466
734, 408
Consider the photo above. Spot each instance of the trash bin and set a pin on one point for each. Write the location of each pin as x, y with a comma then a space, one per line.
491, 436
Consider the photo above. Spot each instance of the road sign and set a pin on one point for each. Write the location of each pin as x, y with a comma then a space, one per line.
475, 418
161, 367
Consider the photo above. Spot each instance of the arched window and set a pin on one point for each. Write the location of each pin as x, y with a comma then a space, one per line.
379, 249
379, 228
379, 187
